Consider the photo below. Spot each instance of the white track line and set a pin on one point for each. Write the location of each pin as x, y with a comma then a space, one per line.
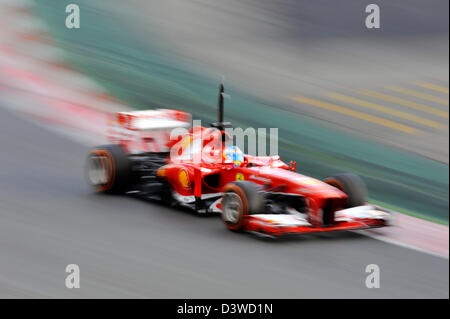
397, 243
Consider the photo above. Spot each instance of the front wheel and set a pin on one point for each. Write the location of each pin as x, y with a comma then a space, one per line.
352, 185
240, 199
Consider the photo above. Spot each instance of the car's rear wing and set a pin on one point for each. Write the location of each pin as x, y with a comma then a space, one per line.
146, 131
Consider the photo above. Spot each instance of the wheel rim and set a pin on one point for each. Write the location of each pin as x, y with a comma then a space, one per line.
97, 173
232, 207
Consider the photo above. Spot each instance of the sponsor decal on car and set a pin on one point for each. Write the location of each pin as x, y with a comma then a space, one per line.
183, 178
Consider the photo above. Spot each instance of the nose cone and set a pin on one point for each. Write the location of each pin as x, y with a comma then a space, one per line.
301, 184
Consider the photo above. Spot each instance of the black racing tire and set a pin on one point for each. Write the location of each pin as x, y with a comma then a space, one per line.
108, 169
352, 185
240, 199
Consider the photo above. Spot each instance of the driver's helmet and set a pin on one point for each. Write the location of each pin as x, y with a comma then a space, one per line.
232, 154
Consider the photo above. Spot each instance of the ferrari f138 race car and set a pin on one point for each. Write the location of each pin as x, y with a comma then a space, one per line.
198, 168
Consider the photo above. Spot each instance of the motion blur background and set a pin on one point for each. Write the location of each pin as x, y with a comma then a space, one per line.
344, 97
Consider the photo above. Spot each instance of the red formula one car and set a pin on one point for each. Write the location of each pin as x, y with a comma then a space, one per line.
158, 155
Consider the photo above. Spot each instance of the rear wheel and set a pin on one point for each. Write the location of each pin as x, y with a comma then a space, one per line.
352, 185
108, 169
240, 199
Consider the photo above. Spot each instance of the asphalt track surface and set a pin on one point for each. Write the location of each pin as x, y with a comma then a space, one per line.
131, 248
